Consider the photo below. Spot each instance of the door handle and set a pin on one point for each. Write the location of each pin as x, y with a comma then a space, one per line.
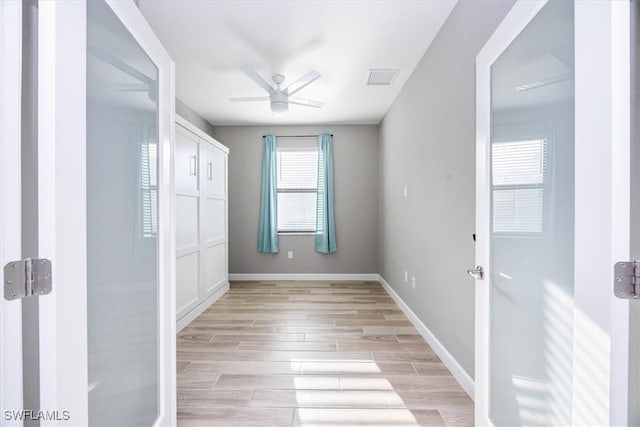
210, 171
477, 273
193, 165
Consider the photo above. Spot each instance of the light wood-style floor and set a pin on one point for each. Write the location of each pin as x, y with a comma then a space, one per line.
312, 354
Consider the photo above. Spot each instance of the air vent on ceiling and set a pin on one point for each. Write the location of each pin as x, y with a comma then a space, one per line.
381, 76
544, 82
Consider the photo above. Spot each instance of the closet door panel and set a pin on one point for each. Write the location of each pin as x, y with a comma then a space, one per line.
216, 266
219, 174
214, 220
186, 162
186, 283
214, 170
207, 166
186, 223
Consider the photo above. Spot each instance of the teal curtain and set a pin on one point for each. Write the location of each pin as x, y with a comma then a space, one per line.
325, 222
268, 226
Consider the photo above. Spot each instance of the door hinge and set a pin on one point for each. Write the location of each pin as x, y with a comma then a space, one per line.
26, 278
626, 283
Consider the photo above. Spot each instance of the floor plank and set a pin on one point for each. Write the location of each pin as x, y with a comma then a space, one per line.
366, 417
235, 416
312, 353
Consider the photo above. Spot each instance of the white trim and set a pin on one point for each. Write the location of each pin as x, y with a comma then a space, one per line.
62, 206
621, 201
458, 372
200, 308
235, 277
199, 132
601, 212
10, 211
170, 254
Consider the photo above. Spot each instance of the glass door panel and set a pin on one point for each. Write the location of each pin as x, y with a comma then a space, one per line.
532, 223
122, 224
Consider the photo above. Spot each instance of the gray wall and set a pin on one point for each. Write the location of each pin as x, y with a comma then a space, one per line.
356, 202
193, 117
427, 143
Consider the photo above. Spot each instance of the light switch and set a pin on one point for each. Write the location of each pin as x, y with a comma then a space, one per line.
290, 254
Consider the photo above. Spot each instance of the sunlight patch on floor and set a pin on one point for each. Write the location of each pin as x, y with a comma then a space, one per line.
355, 417
367, 401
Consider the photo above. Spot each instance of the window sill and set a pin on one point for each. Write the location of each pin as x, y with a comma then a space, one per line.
296, 233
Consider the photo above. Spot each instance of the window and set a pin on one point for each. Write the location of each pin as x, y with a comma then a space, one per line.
297, 182
518, 177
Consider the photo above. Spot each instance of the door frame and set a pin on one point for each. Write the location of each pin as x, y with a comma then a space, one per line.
10, 210
602, 214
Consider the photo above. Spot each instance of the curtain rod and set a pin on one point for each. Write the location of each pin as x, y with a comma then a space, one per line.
295, 136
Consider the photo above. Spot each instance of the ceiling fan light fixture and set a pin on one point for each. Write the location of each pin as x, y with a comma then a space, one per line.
279, 102
279, 106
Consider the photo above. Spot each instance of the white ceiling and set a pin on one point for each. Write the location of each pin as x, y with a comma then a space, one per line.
210, 42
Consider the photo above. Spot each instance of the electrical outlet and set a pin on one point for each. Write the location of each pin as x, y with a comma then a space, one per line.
413, 282
290, 254
406, 276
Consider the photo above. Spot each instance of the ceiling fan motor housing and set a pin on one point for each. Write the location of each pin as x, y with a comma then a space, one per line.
279, 102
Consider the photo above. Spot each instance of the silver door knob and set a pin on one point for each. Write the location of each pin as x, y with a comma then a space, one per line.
477, 273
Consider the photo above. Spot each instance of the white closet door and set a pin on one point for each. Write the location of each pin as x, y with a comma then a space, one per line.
215, 174
187, 291
215, 267
187, 219
186, 162
213, 224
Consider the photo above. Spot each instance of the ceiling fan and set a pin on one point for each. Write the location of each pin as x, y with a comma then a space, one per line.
278, 97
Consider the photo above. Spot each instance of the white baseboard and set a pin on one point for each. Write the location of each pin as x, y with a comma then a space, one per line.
198, 309
447, 358
301, 277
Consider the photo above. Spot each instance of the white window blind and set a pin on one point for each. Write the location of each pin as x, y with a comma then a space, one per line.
297, 183
518, 177
149, 187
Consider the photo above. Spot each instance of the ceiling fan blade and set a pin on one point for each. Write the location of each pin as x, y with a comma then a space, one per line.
258, 79
250, 99
305, 102
303, 81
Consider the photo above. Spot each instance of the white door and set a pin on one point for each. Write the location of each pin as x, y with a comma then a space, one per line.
553, 216
97, 201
